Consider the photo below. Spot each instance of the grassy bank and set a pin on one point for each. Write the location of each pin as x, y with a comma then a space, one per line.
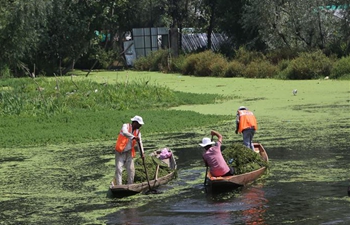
62, 110
319, 109
92, 108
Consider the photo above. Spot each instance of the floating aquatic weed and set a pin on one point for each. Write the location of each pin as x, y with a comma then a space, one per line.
243, 159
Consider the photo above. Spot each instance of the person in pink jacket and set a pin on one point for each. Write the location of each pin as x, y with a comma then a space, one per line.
213, 158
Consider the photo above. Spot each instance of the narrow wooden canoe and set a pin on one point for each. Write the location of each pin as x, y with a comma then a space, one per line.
241, 179
131, 189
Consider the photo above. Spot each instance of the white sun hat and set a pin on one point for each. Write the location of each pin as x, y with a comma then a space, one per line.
206, 141
138, 119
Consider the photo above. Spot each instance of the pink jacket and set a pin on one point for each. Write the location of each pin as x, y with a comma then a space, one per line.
214, 159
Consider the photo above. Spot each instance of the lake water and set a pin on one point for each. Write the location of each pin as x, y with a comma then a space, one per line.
69, 185
283, 196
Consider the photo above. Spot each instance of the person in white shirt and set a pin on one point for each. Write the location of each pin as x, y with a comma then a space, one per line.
128, 141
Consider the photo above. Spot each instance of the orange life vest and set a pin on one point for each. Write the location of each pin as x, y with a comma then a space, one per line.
246, 120
122, 141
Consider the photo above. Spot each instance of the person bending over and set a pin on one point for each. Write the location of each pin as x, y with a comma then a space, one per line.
213, 158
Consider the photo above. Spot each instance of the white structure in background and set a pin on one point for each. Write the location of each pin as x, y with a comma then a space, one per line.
129, 52
143, 41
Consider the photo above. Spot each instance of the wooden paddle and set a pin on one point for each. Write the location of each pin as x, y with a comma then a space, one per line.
205, 176
206, 171
150, 190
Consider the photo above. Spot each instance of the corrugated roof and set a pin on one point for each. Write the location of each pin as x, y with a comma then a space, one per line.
195, 41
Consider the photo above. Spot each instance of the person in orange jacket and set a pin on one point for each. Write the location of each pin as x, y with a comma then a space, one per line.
247, 125
127, 141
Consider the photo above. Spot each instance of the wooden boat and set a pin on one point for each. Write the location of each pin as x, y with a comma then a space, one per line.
154, 182
240, 179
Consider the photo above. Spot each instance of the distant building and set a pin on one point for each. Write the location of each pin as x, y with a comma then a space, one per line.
146, 40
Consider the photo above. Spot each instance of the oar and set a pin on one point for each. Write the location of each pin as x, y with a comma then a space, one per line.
150, 190
206, 171
205, 176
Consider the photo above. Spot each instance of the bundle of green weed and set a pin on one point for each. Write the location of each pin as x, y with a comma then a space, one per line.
243, 159
151, 163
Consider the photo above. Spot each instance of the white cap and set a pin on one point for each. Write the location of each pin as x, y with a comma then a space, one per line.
206, 141
242, 108
138, 119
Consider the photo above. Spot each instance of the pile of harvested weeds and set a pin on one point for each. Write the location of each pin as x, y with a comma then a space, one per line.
242, 159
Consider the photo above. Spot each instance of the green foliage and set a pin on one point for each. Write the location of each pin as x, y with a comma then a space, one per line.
242, 159
81, 126
51, 111
20, 31
341, 48
142, 64
177, 64
283, 64
260, 69
186, 98
46, 96
234, 69
244, 56
218, 69
294, 24
190, 64
104, 56
282, 70
341, 68
155, 61
278, 55
5, 71
205, 63
159, 60
253, 65
309, 66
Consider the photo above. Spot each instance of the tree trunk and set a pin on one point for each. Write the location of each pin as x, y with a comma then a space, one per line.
212, 5
174, 41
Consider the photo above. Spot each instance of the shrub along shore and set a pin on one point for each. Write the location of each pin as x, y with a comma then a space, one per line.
280, 64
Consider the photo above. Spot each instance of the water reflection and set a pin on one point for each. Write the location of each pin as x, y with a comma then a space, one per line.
195, 206
251, 209
255, 201
130, 216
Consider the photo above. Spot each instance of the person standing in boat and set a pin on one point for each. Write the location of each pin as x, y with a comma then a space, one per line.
247, 125
213, 158
125, 151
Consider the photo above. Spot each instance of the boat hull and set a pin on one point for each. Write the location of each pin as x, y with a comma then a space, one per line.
132, 189
241, 179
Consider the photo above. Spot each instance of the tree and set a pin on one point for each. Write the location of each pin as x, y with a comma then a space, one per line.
21, 27
291, 24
